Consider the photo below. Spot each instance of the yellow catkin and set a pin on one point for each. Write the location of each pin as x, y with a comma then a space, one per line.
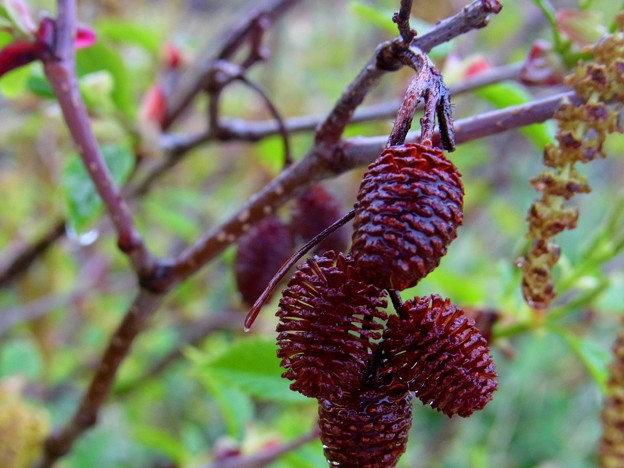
580, 136
23, 427
611, 448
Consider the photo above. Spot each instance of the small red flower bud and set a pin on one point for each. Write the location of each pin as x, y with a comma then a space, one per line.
154, 105
85, 37
172, 56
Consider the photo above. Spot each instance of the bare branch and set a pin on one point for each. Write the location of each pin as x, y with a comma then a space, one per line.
192, 81
266, 456
21, 260
475, 15
359, 151
387, 57
60, 442
245, 130
402, 20
61, 73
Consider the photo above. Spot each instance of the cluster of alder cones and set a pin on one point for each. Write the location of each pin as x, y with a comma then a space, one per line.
337, 342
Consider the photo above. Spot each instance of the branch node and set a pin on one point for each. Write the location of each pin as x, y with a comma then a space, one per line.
159, 278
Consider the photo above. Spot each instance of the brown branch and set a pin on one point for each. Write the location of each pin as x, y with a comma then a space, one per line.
60, 442
192, 82
244, 130
402, 20
387, 57
360, 151
321, 160
266, 456
475, 15
60, 71
498, 121
23, 258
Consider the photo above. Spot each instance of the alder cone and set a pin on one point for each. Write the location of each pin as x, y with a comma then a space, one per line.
261, 252
330, 324
369, 431
438, 352
408, 208
314, 210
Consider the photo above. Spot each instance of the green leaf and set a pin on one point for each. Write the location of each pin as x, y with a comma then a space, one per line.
83, 202
143, 35
5, 37
594, 356
100, 57
252, 366
20, 358
380, 17
38, 84
236, 406
165, 443
14, 83
512, 94
174, 216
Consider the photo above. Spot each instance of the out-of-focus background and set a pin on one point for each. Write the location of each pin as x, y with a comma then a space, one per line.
224, 391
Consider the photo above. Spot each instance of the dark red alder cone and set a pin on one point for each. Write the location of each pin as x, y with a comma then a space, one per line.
368, 432
408, 208
330, 324
261, 252
314, 210
438, 352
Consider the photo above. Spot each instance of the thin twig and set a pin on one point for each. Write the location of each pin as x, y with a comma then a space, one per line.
279, 120
61, 73
402, 20
360, 151
60, 442
23, 258
264, 457
324, 157
192, 82
252, 131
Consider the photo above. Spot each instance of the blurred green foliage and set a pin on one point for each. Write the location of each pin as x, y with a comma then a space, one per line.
552, 368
